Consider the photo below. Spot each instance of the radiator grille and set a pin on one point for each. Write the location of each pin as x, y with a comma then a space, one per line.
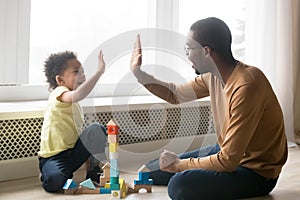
20, 138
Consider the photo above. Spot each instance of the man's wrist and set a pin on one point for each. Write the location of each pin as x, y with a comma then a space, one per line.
182, 165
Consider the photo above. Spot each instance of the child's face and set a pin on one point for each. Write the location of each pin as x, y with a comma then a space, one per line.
73, 76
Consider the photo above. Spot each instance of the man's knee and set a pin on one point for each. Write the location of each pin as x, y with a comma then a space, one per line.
96, 128
176, 187
94, 138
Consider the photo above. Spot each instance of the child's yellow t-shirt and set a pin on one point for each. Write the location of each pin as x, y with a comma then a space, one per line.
62, 125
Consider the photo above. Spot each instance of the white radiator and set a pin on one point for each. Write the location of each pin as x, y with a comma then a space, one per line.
145, 131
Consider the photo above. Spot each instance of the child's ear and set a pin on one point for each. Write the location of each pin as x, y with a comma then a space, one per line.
59, 80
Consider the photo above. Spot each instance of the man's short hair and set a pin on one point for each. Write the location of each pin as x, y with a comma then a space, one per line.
214, 33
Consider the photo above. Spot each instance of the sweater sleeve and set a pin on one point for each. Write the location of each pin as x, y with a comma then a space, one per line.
171, 92
245, 108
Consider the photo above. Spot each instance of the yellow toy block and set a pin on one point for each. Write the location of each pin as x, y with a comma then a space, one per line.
123, 188
113, 147
107, 185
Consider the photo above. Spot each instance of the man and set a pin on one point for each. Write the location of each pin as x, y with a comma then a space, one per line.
252, 147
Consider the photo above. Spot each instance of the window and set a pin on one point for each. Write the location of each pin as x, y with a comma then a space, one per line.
232, 12
81, 26
33, 29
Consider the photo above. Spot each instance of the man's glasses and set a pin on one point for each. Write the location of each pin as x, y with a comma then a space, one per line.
188, 49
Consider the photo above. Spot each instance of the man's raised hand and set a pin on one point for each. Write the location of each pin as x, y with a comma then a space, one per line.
136, 57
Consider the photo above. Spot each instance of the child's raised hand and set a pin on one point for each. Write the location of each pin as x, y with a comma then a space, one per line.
101, 63
136, 57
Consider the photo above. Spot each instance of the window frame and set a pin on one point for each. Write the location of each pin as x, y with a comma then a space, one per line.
14, 37
14, 54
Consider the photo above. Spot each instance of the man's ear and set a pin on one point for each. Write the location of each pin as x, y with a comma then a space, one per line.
59, 80
207, 50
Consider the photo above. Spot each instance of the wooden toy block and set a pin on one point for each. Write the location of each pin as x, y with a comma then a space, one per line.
70, 191
143, 182
114, 155
114, 172
88, 184
143, 169
114, 186
113, 138
143, 179
147, 187
114, 180
105, 191
113, 165
144, 175
106, 168
116, 194
106, 174
107, 185
112, 128
83, 190
113, 147
123, 188
104, 180
70, 184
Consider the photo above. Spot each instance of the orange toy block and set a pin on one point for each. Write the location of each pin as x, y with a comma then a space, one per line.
112, 128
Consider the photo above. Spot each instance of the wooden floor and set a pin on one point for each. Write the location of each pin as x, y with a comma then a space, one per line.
288, 187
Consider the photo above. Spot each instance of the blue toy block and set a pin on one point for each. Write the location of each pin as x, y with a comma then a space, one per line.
88, 184
114, 173
105, 191
70, 184
113, 164
143, 182
114, 180
115, 186
143, 179
143, 176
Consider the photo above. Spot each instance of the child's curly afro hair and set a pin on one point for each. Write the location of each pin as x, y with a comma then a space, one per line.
55, 65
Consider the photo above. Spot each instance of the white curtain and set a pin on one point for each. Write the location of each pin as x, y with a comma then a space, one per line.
269, 46
296, 63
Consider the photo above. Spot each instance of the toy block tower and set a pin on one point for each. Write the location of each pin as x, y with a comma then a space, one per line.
113, 141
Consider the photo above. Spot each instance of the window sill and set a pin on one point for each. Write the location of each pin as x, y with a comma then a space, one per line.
35, 109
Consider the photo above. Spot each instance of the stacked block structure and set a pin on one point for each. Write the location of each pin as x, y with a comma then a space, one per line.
143, 181
113, 142
110, 183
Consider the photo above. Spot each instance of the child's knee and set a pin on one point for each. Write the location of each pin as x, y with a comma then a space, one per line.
54, 182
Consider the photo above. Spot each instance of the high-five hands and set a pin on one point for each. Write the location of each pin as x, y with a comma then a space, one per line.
101, 63
136, 57
168, 161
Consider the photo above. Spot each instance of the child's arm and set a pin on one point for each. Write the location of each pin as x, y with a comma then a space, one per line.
85, 88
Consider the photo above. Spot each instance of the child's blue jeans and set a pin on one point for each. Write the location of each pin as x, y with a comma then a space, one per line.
57, 169
211, 185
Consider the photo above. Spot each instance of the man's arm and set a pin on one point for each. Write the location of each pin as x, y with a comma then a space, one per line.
170, 92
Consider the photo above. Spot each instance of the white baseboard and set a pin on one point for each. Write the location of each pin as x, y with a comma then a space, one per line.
19, 168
